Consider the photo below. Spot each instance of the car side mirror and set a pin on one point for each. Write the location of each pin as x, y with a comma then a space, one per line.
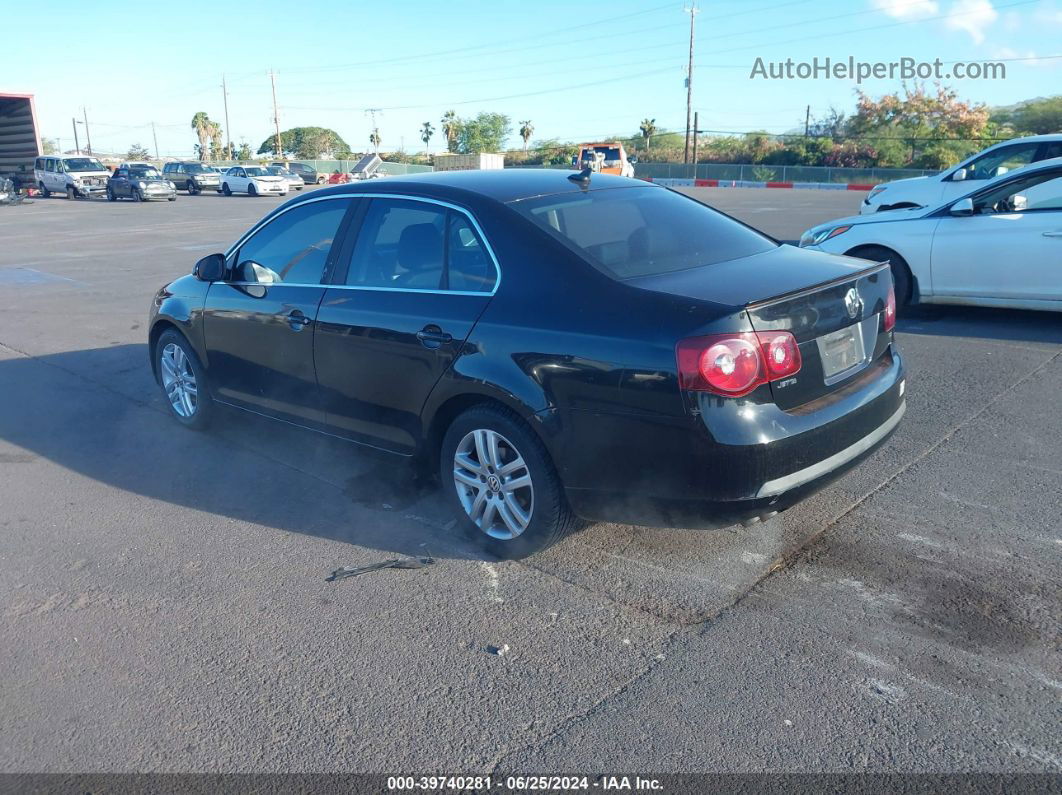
210, 268
962, 207
633, 161
959, 176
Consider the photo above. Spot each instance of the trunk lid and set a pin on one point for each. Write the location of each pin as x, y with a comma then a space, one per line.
833, 306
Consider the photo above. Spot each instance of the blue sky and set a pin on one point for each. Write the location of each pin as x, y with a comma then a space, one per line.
578, 71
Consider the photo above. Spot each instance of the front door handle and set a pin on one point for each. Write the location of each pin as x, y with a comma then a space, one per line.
433, 337
1053, 234
297, 321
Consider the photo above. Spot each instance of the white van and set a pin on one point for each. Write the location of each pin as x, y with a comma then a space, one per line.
961, 179
75, 175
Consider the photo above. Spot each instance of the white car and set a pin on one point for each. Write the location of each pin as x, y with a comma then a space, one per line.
999, 245
252, 180
77, 177
961, 179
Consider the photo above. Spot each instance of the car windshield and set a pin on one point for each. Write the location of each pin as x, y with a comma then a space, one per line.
83, 164
196, 168
280, 172
257, 172
632, 232
145, 172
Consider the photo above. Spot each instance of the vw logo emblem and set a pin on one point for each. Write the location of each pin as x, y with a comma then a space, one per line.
494, 483
853, 303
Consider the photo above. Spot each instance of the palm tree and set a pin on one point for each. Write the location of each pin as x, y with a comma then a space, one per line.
426, 132
451, 125
201, 123
527, 129
648, 128
374, 139
216, 143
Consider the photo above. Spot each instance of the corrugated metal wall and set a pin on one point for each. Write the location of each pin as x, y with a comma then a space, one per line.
19, 143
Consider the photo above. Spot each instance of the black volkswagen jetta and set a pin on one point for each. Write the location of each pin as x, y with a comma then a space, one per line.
557, 349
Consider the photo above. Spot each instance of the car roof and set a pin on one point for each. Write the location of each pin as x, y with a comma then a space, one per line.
502, 185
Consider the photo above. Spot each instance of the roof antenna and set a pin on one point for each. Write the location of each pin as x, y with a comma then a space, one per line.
583, 176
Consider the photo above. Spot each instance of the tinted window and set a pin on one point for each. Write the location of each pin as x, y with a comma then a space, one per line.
400, 244
634, 232
469, 266
292, 248
1051, 150
1041, 191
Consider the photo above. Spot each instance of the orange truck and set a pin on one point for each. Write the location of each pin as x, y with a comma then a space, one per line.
606, 158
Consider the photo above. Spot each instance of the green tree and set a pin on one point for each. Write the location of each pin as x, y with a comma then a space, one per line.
137, 152
648, 128
217, 145
374, 139
48, 147
1035, 116
201, 123
426, 132
244, 152
309, 143
527, 129
485, 133
451, 127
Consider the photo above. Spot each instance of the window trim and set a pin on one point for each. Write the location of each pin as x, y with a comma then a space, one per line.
439, 202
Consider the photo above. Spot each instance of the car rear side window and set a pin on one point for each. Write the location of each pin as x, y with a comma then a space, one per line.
293, 247
414, 245
632, 232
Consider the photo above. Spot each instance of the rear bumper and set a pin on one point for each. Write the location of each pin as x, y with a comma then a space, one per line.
740, 461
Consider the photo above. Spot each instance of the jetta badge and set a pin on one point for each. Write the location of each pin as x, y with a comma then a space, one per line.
853, 303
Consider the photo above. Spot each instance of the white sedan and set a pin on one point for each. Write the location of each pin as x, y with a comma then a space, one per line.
999, 245
252, 180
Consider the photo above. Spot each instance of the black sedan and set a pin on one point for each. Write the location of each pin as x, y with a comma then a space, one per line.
139, 183
556, 349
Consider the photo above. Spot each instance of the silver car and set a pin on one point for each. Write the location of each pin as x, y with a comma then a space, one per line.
294, 181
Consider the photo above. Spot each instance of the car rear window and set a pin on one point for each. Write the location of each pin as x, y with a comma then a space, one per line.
632, 232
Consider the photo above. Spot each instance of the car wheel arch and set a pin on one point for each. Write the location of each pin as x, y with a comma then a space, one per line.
867, 251
164, 323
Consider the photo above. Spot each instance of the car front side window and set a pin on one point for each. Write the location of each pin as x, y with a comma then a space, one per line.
992, 164
292, 248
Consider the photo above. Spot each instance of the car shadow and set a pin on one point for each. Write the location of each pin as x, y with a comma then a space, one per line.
99, 414
1014, 325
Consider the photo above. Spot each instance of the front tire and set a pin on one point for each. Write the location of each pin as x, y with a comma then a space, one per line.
110, 196
902, 281
45, 193
192, 189
499, 480
183, 381
252, 190
137, 195
71, 193
225, 189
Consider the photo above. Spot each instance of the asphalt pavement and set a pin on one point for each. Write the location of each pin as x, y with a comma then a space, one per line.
164, 607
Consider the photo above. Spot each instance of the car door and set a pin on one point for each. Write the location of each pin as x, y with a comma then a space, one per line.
259, 325
120, 182
57, 176
406, 292
1010, 248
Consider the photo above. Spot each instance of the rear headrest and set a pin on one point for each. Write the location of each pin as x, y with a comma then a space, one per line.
420, 247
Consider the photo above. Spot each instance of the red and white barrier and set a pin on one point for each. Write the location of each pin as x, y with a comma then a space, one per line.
675, 182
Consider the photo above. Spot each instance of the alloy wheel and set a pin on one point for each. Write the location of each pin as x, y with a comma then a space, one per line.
178, 380
493, 484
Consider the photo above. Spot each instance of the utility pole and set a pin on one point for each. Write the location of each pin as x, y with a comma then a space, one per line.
155, 138
228, 132
807, 121
696, 129
77, 145
88, 138
692, 10
375, 130
276, 116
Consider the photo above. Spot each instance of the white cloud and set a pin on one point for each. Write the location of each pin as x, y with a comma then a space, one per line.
907, 9
973, 16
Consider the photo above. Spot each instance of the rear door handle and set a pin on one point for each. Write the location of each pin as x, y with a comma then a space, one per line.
297, 321
1053, 234
433, 337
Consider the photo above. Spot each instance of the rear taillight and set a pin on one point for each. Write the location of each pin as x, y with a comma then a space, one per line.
890, 310
735, 364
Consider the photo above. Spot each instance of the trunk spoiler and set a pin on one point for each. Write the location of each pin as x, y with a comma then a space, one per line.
868, 271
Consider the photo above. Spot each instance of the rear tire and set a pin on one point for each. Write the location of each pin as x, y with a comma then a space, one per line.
515, 495
252, 190
183, 381
902, 281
